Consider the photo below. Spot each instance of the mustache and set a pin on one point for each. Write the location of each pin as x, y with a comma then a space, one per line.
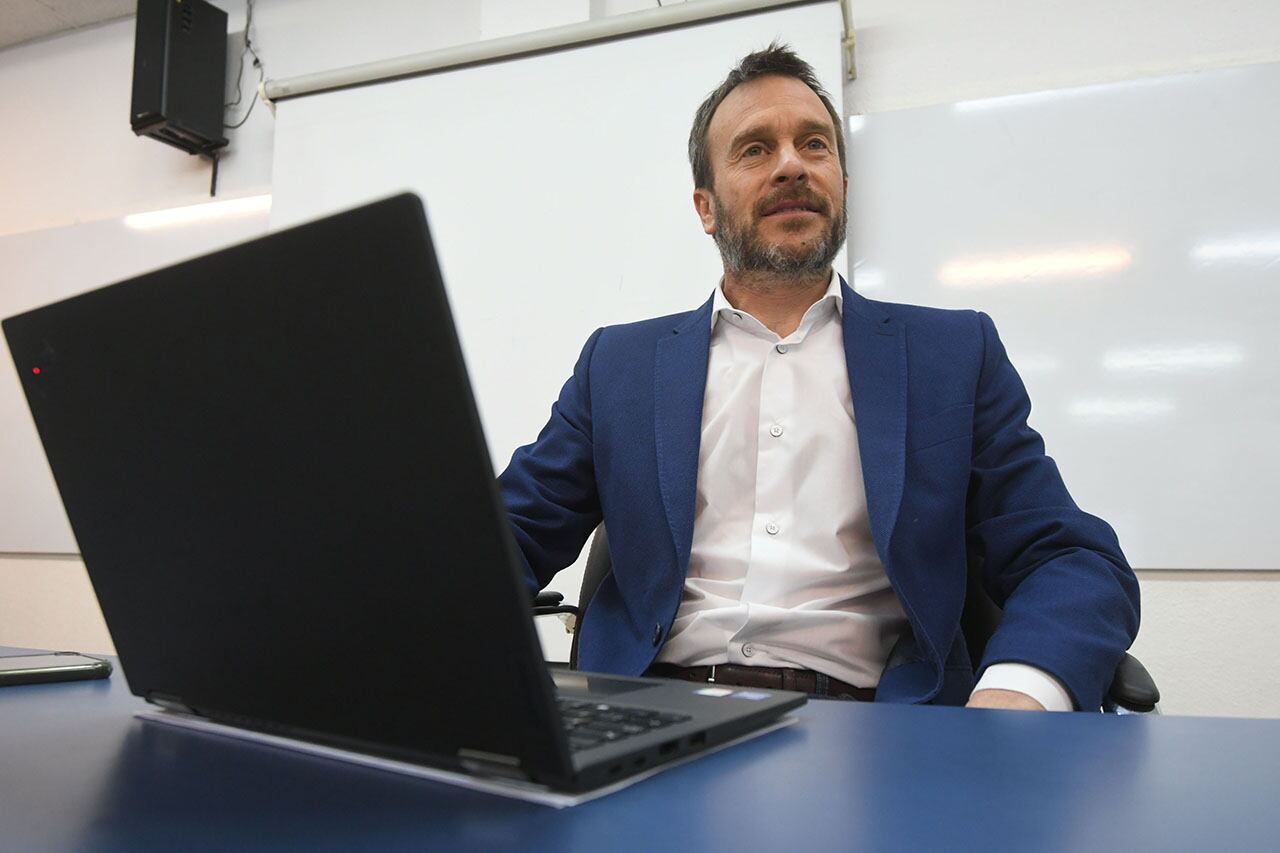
806, 197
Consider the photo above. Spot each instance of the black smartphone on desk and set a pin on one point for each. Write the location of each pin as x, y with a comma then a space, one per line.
51, 666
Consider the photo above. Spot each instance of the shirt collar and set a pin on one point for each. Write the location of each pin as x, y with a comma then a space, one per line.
720, 303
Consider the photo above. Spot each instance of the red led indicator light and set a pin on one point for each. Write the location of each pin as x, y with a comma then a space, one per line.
36, 371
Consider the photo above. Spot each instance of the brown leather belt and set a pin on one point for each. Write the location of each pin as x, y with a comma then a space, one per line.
768, 677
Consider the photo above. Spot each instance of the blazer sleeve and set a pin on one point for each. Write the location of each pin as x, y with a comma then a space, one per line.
549, 487
1069, 597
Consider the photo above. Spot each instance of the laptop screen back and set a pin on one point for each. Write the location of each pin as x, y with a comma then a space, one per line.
274, 468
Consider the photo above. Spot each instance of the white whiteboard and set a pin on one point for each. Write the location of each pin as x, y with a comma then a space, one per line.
530, 279
1126, 240
39, 267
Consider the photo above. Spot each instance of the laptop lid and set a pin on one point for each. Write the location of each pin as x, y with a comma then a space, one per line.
274, 468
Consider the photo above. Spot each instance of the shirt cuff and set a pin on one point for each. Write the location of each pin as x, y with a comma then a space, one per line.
1023, 678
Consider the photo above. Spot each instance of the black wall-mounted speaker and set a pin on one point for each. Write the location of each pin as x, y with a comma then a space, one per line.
179, 74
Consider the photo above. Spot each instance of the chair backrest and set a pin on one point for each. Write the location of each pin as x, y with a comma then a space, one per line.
978, 621
599, 565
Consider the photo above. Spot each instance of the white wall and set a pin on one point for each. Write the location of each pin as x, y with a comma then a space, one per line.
69, 156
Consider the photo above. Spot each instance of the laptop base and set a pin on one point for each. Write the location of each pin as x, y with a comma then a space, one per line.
514, 789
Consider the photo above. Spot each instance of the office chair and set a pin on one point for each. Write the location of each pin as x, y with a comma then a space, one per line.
1132, 691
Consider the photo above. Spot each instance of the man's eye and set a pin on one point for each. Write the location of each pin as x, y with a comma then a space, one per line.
753, 150
821, 143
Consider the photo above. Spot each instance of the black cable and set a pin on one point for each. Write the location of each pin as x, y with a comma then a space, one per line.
248, 19
246, 115
257, 63
239, 77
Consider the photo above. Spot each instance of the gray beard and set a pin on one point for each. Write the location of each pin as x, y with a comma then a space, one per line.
743, 251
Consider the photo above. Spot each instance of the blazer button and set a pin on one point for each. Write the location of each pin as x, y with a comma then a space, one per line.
657, 633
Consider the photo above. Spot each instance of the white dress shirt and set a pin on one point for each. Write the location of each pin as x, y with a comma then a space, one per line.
783, 570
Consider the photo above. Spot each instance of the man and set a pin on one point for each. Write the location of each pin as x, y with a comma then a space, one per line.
794, 477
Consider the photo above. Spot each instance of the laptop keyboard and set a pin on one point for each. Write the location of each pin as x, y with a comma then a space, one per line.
591, 724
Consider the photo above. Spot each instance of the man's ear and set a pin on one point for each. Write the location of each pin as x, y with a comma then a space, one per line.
703, 203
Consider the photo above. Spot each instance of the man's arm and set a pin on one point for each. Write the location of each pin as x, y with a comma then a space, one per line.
1070, 599
549, 487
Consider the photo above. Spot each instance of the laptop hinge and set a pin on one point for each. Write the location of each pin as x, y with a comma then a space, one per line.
169, 702
484, 763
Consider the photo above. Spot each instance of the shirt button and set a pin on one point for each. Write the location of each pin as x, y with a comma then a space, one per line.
748, 650
781, 348
771, 528
775, 430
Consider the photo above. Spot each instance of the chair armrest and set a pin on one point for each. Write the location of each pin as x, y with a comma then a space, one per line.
546, 598
1133, 688
548, 604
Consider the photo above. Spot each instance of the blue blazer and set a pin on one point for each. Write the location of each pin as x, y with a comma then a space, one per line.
950, 466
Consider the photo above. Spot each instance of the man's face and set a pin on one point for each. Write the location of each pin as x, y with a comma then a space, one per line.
777, 204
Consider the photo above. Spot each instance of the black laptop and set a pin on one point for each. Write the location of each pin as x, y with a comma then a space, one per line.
274, 467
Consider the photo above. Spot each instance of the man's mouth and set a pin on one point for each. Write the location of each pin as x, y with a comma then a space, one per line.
792, 207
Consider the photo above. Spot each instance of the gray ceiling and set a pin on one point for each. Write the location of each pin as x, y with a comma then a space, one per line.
24, 20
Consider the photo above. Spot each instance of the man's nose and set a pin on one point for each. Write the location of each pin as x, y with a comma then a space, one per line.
790, 167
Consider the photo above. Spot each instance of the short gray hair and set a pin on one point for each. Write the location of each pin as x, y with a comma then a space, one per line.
776, 59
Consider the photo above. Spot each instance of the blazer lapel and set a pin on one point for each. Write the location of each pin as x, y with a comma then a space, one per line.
876, 353
680, 380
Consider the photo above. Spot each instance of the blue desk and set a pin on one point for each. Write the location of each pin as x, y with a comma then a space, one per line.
77, 772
